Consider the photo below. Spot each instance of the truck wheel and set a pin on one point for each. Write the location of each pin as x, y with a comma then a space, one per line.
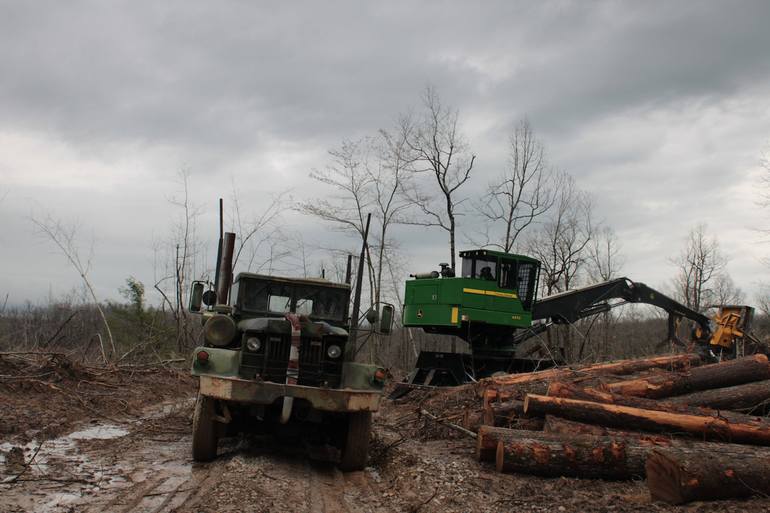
205, 432
356, 446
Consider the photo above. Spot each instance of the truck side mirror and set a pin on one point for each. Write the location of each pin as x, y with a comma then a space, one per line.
196, 297
386, 319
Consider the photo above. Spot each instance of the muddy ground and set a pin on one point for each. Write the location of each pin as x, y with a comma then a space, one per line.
125, 446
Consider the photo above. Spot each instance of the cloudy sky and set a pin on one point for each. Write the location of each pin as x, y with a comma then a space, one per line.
660, 109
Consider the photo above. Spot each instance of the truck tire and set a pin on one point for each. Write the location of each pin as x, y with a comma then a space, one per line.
205, 432
355, 450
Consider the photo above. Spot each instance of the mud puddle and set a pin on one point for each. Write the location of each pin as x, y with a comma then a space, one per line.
145, 466
88, 468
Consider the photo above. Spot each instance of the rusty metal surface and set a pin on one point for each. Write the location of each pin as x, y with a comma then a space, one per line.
325, 399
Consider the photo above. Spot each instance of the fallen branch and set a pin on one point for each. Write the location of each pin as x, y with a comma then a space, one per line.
61, 327
448, 424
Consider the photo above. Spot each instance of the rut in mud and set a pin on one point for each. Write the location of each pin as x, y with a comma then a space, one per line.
145, 466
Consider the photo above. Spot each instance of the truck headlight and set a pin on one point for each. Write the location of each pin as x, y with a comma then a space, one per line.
219, 330
253, 344
334, 351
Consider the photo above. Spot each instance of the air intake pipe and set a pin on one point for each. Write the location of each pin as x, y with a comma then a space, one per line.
225, 268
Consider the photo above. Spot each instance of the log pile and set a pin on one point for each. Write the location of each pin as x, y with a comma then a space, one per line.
683, 426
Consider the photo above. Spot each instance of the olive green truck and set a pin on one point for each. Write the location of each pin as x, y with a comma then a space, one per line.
278, 356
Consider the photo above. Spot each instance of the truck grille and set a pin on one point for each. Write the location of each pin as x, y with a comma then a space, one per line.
271, 361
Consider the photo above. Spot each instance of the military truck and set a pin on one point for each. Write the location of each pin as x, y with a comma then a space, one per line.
278, 356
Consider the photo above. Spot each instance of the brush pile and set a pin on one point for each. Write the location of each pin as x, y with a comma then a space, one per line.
695, 432
43, 394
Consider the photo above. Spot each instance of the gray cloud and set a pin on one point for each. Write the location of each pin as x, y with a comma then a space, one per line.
658, 108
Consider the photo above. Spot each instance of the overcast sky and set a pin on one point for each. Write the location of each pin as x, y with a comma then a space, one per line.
660, 109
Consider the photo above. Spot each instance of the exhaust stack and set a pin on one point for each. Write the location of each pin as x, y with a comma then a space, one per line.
225, 270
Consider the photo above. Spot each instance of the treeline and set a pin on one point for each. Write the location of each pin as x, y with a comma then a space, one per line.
149, 334
139, 333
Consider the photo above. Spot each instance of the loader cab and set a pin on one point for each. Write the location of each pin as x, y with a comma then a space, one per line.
493, 290
506, 271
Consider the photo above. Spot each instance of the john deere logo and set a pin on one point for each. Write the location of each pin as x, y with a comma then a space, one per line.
419, 314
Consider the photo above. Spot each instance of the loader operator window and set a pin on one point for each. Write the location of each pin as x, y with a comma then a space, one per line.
508, 275
486, 269
481, 268
526, 285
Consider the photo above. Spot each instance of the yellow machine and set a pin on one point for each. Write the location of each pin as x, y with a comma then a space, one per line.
731, 330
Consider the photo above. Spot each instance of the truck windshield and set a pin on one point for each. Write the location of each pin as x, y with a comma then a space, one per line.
263, 296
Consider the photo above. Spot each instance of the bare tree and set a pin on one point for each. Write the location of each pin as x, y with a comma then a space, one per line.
346, 210
260, 229
390, 178
726, 292
440, 150
180, 260
604, 263
368, 175
604, 255
762, 298
561, 244
65, 238
699, 267
562, 240
521, 194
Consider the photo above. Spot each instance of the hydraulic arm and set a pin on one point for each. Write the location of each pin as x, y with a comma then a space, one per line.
572, 305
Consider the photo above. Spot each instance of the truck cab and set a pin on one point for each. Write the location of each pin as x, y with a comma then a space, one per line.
276, 352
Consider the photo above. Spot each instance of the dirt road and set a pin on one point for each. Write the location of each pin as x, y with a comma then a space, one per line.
143, 464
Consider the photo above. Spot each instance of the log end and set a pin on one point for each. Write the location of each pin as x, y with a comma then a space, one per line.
488, 418
663, 479
500, 456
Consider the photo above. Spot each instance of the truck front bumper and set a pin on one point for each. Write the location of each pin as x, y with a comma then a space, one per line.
265, 392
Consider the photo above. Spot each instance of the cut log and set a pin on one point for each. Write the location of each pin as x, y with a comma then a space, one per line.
752, 431
551, 455
511, 415
606, 457
507, 411
568, 391
747, 397
679, 475
717, 375
517, 392
621, 367
502, 415
561, 426
487, 438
